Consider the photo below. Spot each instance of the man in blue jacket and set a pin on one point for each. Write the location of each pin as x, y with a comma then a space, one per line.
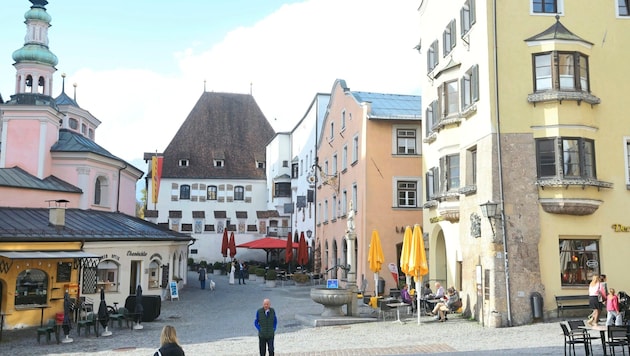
266, 323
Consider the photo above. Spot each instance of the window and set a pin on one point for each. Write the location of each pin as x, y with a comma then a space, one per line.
101, 191
91, 134
219, 163
84, 129
154, 275
565, 158
319, 213
627, 156
470, 87
561, 71
344, 158
183, 163
184, 192
433, 183
432, 56
344, 203
212, 192
285, 163
295, 170
622, 8
448, 94
198, 226
448, 38
107, 276
355, 149
239, 193
334, 164
431, 116
355, 198
73, 123
31, 287
325, 210
343, 120
406, 141
333, 214
545, 6
579, 261
332, 131
261, 164
450, 165
326, 167
282, 190
471, 166
467, 16
407, 194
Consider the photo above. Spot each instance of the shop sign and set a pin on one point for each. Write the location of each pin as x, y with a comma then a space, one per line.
137, 253
436, 219
620, 228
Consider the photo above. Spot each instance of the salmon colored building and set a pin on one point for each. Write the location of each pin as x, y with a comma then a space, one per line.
368, 160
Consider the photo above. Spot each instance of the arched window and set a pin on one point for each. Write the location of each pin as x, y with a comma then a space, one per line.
212, 192
29, 84
239, 193
184, 192
107, 276
154, 274
101, 190
73, 123
31, 287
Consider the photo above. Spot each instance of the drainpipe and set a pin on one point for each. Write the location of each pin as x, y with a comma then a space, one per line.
118, 190
499, 158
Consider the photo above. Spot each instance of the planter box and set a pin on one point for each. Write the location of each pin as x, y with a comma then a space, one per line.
270, 284
252, 277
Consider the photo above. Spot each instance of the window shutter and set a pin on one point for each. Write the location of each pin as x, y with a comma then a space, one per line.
474, 83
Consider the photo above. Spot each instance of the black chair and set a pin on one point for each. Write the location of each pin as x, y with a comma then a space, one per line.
578, 325
575, 338
618, 337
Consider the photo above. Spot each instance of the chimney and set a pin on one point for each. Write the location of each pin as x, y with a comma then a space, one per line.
57, 213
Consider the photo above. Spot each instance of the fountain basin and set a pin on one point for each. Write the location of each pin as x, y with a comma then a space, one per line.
332, 299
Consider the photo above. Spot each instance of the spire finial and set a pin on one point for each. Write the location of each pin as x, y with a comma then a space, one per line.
204, 85
75, 91
557, 18
251, 88
63, 82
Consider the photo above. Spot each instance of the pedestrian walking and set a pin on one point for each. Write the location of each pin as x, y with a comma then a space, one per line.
169, 345
241, 272
202, 277
266, 323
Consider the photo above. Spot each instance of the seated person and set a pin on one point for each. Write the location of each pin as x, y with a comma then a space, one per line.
406, 297
439, 294
447, 305
426, 295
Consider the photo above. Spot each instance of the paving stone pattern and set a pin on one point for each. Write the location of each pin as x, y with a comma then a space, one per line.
220, 322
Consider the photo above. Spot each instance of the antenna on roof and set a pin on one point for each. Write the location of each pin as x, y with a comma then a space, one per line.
204, 85
251, 88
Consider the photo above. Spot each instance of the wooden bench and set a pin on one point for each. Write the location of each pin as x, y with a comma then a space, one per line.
571, 302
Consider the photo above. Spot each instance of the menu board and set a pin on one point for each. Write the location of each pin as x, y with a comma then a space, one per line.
64, 271
165, 276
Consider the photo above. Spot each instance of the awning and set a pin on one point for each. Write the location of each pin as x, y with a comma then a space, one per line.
46, 254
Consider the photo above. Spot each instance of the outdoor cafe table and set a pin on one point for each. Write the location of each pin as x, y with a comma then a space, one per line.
397, 305
602, 333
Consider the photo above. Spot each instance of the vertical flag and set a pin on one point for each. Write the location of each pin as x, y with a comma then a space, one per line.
156, 174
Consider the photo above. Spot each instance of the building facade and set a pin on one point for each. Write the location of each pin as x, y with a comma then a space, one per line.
213, 177
368, 160
518, 101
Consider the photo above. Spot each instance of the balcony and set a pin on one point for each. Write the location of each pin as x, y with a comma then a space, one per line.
278, 231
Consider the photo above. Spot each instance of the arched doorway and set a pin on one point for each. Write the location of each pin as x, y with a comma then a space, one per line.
441, 269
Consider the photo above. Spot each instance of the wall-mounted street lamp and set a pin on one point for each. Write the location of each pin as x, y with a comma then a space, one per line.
490, 210
309, 233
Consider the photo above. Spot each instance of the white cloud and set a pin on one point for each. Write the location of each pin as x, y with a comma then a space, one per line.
289, 56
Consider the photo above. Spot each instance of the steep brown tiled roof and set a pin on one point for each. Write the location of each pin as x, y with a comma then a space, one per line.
225, 126
265, 214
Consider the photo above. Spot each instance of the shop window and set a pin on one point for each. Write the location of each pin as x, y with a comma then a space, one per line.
579, 261
107, 276
31, 288
154, 275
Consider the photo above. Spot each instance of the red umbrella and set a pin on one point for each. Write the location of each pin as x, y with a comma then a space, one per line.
232, 246
302, 254
288, 254
224, 243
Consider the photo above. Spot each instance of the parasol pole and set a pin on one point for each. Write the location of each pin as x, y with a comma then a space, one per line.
418, 286
376, 284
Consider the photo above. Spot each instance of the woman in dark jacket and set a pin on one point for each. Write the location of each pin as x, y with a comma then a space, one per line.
169, 344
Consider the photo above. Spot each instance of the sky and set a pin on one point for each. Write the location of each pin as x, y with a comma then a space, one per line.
140, 66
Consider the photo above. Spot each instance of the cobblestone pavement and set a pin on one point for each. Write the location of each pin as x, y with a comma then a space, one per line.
220, 322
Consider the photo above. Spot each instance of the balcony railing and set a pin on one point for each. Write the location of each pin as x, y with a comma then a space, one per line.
278, 231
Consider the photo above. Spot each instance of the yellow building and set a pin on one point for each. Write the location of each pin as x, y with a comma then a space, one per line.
523, 108
367, 154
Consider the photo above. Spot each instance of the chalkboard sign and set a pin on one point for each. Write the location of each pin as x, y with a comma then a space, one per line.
174, 292
165, 276
64, 271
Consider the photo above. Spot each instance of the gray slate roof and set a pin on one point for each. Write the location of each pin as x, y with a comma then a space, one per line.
225, 126
557, 31
18, 178
391, 106
31, 224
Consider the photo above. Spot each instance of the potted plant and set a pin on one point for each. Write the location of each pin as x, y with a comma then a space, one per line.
270, 278
217, 267
260, 273
251, 270
301, 279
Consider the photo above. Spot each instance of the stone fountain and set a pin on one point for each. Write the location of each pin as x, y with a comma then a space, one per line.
334, 298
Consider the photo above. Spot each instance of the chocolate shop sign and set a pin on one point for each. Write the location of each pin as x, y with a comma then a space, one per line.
620, 228
137, 253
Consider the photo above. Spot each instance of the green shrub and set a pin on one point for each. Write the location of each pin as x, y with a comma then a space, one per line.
271, 275
301, 278
203, 264
191, 261
217, 266
252, 269
260, 272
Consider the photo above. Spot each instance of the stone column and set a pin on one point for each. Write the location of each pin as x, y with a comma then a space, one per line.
351, 238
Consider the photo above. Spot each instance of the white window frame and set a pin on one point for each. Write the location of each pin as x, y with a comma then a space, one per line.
626, 4
344, 158
355, 149
468, 17
396, 190
396, 140
449, 38
559, 9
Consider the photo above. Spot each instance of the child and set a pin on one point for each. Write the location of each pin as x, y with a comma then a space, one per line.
612, 307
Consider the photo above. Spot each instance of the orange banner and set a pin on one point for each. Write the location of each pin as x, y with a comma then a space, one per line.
156, 174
